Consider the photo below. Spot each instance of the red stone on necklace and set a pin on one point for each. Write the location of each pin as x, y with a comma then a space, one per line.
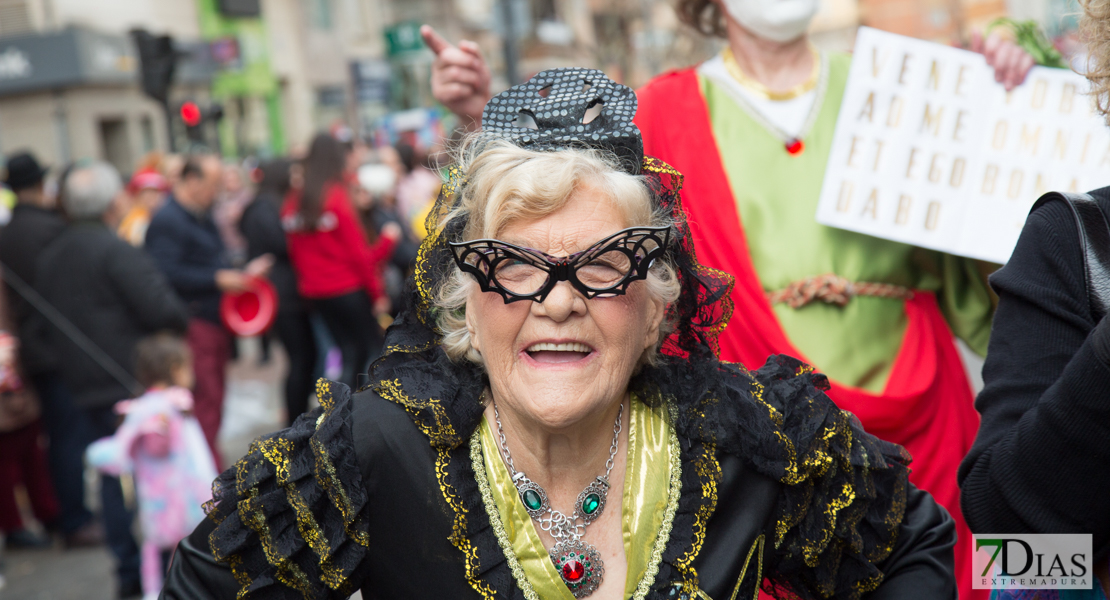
795, 146
573, 570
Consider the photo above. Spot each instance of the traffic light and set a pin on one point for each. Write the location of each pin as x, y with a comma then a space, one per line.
190, 114
195, 117
157, 63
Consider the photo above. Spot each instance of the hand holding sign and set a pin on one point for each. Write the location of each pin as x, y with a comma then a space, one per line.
930, 151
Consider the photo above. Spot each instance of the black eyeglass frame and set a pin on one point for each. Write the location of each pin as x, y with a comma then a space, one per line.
491, 252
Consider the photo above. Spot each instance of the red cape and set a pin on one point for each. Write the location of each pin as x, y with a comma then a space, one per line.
927, 406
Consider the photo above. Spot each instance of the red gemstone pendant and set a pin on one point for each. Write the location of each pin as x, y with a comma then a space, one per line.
579, 565
573, 570
795, 146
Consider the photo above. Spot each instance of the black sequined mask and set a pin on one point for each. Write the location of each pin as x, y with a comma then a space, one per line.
563, 108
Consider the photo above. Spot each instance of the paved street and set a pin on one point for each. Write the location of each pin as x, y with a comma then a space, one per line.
253, 407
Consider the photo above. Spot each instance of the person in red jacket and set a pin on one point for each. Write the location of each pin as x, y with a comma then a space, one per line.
337, 269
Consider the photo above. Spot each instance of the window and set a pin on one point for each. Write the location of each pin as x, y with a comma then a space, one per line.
319, 14
15, 17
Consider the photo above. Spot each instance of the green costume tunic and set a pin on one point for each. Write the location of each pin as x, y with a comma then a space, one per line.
776, 195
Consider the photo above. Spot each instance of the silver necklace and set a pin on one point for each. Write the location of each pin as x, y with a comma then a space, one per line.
577, 562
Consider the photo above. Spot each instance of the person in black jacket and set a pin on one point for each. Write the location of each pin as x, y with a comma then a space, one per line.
261, 226
33, 226
114, 294
1039, 462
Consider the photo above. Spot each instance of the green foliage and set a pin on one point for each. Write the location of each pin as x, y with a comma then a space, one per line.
1032, 39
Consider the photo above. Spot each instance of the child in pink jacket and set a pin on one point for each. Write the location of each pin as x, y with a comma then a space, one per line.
161, 444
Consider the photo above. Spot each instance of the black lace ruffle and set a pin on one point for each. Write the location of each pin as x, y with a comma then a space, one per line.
843, 492
290, 514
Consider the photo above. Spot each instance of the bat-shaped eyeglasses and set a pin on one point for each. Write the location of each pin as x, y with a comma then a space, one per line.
604, 269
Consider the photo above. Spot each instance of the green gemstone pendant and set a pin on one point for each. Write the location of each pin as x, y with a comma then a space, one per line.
591, 503
532, 497
532, 500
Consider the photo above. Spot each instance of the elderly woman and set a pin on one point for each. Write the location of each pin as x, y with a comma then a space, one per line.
551, 421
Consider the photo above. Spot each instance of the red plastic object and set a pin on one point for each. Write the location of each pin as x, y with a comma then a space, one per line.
250, 312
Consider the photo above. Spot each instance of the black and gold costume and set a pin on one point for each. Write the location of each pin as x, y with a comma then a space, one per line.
737, 479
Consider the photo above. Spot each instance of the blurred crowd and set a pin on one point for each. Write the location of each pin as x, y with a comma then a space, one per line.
116, 323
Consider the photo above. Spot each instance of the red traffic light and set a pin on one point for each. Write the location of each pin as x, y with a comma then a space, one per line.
190, 114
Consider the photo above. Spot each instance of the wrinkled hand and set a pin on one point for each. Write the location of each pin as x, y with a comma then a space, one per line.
1011, 63
460, 77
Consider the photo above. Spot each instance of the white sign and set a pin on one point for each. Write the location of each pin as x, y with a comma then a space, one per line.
14, 64
929, 150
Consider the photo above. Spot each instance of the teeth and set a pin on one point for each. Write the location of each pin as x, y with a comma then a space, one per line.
566, 347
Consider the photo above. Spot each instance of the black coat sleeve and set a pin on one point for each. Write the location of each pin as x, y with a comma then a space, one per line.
195, 574
1038, 462
922, 563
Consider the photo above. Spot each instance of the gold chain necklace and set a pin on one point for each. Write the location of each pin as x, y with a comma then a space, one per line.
758, 88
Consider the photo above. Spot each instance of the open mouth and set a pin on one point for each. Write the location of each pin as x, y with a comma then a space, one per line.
552, 353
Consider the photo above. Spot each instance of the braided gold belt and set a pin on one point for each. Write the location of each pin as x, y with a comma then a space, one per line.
833, 289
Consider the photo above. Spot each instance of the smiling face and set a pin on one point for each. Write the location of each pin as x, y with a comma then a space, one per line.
568, 358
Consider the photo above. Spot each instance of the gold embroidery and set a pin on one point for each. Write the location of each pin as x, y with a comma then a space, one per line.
674, 492
757, 546
441, 432
709, 470
458, 527
329, 480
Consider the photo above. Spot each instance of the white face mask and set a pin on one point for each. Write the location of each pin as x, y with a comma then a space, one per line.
775, 20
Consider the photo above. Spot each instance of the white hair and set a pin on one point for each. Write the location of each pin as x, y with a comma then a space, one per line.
504, 183
90, 190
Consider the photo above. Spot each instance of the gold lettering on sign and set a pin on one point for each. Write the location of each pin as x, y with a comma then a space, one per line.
852, 151
1017, 176
844, 200
1067, 99
931, 120
910, 164
998, 140
872, 206
1029, 139
878, 154
1086, 145
876, 64
960, 80
990, 178
903, 214
868, 109
934, 76
894, 115
1061, 144
959, 126
934, 169
958, 167
932, 215
1040, 90
1074, 185
905, 69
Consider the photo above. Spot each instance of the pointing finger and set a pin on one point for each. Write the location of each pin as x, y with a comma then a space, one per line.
433, 40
